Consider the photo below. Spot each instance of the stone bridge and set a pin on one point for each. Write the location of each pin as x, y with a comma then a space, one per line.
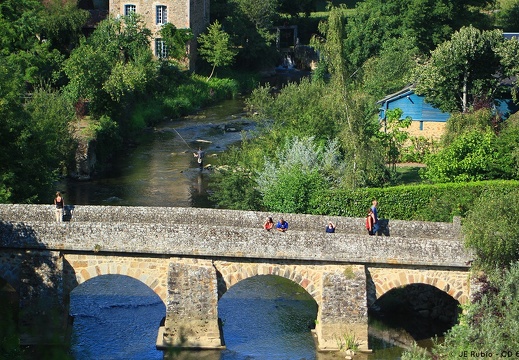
189, 257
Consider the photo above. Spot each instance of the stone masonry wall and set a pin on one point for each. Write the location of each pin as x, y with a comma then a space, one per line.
213, 217
190, 256
192, 305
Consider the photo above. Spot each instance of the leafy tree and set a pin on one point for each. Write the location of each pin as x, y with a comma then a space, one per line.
393, 137
507, 16
249, 25
462, 71
391, 69
176, 40
62, 24
40, 142
215, 47
112, 66
353, 110
260, 12
428, 22
508, 52
21, 42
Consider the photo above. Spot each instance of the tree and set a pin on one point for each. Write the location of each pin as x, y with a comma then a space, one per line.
40, 143
353, 110
428, 22
391, 69
462, 71
215, 47
249, 24
176, 40
507, 16
112, 66
393, 137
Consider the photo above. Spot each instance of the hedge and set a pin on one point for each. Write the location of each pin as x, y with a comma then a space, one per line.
440, 202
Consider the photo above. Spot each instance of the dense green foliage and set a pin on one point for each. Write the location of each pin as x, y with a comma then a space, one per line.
489, 230
475, 147
489, 322
427, 22
454, 78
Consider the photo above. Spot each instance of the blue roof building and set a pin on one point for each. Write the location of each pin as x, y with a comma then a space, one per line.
427, 120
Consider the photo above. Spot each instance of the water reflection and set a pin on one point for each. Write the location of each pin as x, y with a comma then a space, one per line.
267, 317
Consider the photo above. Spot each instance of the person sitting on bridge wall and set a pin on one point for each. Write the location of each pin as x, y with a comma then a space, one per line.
269, 223
330, 228
282, 225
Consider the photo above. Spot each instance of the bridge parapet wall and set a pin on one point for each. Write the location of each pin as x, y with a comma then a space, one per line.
224, 241
242, 219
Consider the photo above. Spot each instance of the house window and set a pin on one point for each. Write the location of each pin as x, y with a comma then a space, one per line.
129, 9
421, 125
161, 50
162, 14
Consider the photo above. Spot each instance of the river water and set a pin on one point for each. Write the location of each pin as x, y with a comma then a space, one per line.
117, 317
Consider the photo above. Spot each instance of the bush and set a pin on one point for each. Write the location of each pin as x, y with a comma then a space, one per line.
491, 229
439, 202
487, 326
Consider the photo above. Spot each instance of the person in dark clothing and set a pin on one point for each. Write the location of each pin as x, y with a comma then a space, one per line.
59, 203
330, 228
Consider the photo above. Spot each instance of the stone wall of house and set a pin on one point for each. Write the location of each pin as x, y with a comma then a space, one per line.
431, 129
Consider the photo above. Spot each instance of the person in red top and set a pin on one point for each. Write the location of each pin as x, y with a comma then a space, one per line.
269, 224
369, 222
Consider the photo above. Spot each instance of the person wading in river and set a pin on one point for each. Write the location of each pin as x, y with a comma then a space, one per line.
200, 155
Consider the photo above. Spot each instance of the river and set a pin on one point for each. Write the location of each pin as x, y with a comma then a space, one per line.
117, 317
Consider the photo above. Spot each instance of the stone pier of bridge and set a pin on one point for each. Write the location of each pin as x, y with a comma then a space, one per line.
190, 257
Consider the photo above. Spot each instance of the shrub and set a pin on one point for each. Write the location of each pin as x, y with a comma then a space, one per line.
490, 228
439, 202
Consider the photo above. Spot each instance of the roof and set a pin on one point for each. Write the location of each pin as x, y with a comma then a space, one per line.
510, 35
400, 93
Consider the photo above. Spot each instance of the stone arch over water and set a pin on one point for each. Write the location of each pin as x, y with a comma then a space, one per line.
150, 271
230, 273
382, 280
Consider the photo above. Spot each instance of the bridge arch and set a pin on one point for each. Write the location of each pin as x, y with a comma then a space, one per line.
230, 273
150, 271
454, 283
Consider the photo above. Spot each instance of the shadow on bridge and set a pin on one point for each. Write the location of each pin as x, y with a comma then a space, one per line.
31, 288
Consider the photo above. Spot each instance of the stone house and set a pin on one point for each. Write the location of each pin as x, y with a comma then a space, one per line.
192, 14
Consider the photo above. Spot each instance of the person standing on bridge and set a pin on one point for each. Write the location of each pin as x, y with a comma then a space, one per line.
59, 203
369, 222
282, 225
376, 225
